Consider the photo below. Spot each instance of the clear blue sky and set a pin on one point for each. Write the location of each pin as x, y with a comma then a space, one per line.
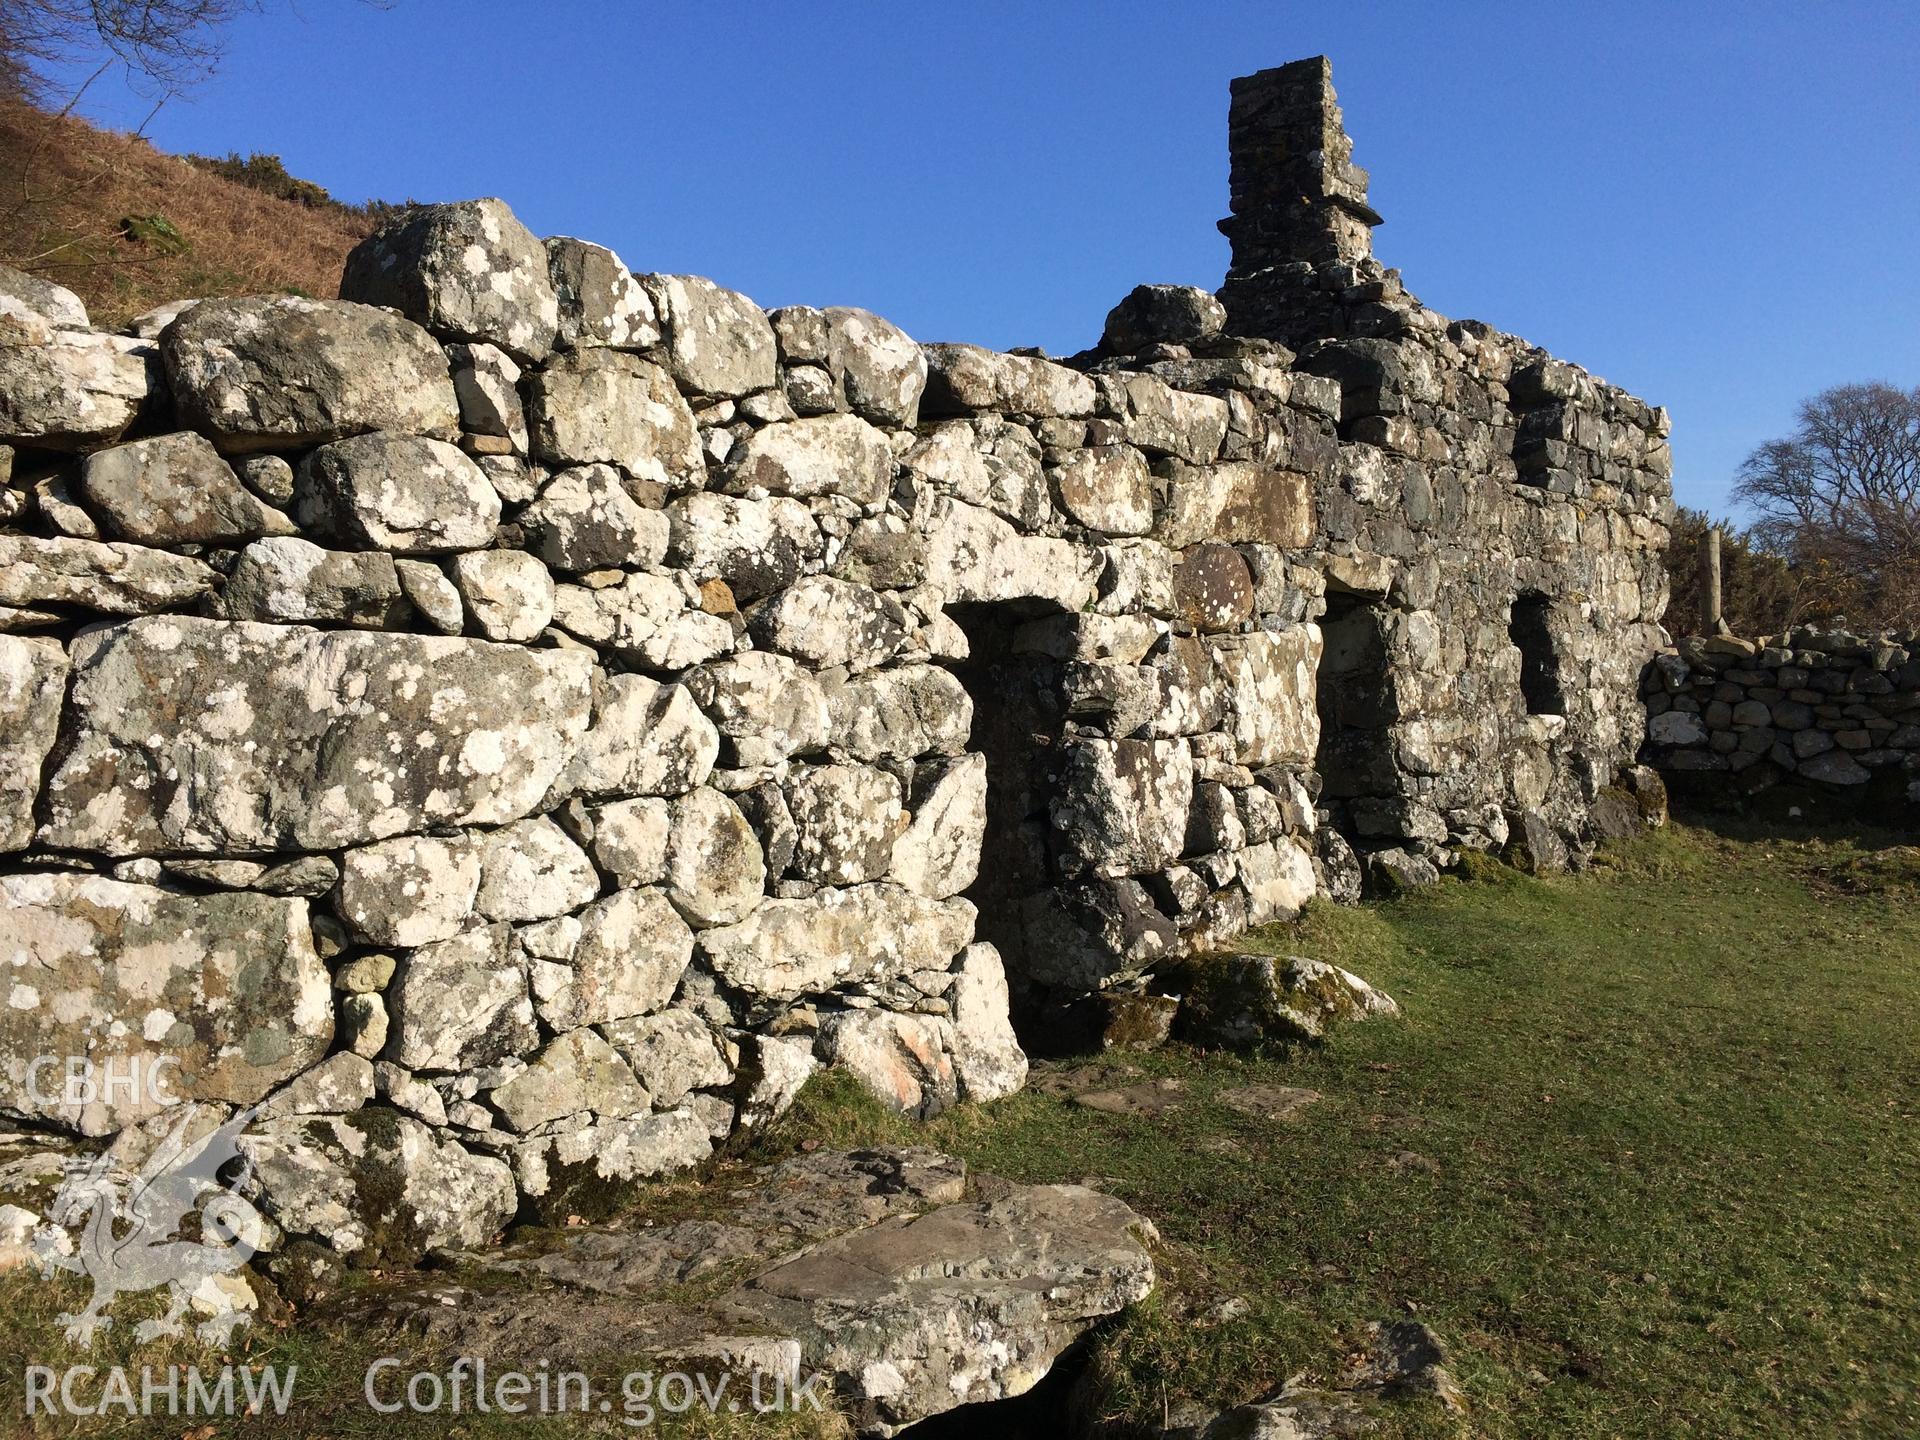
1715, 205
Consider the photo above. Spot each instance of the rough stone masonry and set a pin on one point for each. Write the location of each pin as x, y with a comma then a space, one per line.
512, 723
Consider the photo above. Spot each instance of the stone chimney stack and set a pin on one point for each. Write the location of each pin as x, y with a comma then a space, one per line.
1299, 202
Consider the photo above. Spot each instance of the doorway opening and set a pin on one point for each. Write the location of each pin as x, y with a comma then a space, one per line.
1530, 629
1358, 704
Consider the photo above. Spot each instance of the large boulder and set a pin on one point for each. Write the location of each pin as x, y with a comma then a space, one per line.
789, 948
1242, 1000
33, 681
1122, 806
118, 578
377, 1185
604, 405
175, 490
1162, 315
284, 373
197, 997
403, 493
468, 271
967, 1304
59, 305
601, 303
462, 1003
719, 343
75, 390
824, 455
208, 735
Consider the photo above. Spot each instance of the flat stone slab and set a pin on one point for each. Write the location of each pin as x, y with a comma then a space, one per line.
912, 1288
1150, 1097
1268, 1102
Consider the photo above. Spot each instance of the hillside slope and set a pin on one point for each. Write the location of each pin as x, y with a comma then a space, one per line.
126, 226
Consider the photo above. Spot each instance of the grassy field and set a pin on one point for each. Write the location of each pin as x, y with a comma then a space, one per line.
1642, 1150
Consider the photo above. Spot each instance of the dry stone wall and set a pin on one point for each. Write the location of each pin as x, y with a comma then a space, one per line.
1832, 713
512, 723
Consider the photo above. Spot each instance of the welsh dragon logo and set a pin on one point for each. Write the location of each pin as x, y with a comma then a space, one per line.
130, 1241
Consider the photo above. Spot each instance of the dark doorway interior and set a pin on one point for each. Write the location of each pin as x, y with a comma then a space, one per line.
1539, 658
1018, 720
1357, 703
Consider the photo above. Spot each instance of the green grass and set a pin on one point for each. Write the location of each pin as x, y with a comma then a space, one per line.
1671, 1106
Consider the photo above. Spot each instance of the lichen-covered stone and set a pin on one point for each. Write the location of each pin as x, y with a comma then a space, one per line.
586, 519
646, 739
377, 1185
175, 490
905, 1060
767, 706
825, 622
116, 578
670, 1054
718, 343
826, 455
253, 737
1107, 488
289, 581
404, 493
462, 1003
755, 546
532, 870
846, 819
788, 948
33, 681
216, 997
508, 593
603, 405
715, 872
470, 270
938, 854
578, 1072
601, 303
409, 891
286, 373
74, 389
631, 951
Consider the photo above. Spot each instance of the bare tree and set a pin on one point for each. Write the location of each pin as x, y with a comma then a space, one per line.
1840, 498
166, 44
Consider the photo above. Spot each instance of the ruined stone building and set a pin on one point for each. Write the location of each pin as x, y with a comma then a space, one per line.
519, 719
